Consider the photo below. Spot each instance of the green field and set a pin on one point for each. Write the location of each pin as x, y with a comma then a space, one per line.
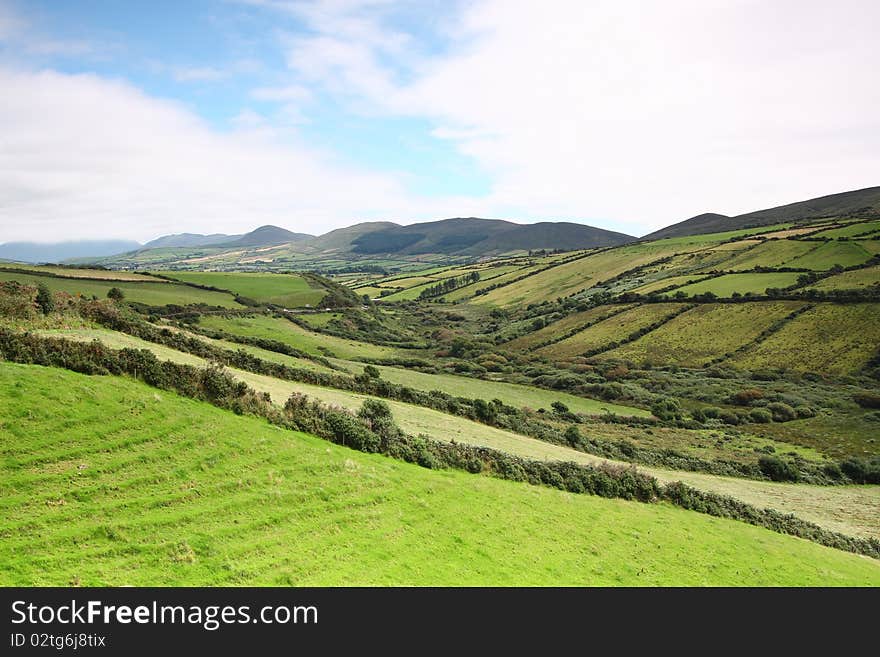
282, 330
288, 290
611, 330
858, 279
851, 230
829, 339
512, 394
207, 497
846, 254
672, 281
154, 293
557, 330
571, 277
848, 509
703, 333
76, 272
725, 286
772, 253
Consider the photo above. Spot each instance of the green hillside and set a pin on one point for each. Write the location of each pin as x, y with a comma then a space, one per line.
279, 289
206, 497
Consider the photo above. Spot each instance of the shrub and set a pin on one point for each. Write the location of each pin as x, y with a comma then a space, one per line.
760, 415
781, 412
115, 294
867, 399
747, 396
572, 435
372, 372
777, 469
44, 299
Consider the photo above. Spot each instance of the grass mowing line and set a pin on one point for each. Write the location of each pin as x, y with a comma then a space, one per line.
354, 519
859, 503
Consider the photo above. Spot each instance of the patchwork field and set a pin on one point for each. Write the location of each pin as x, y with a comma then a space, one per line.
207, 497
282, 330
828, 339
848, 509
846, 254
772, 253
858, 279
571, 277
153, 293
703, 333
286, 290
725, 286
610, 330
557, 330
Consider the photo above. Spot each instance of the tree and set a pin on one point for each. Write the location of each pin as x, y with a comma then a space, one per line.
372, 372
44, 299
572, 435
115, 294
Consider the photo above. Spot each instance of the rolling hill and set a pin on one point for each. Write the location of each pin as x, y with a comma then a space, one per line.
474, 236
833, 205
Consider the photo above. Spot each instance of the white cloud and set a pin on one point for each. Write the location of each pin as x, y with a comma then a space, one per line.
85, 157
629, 113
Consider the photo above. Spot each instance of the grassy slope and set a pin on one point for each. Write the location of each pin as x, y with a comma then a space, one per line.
832, 253
703, 333
850, 280
99, 274
286, 290
772, 253
558, 329
849, 510
725, 286
829, 339
275, 328
510, 393
153, 293
610, 330
90, 495
574, 276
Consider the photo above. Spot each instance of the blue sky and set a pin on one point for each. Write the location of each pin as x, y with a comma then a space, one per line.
133, 119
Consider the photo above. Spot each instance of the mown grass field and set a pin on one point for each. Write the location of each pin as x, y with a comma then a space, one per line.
725, 286
846, 253
137, 486
858, 279
153, 293
610, 330
282, 330
698, 336
851, 230
848, 509
772, 253
288, 290
830, 339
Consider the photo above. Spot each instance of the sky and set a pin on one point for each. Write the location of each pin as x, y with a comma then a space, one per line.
146, 117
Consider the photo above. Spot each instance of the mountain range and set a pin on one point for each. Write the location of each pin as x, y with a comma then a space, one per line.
460, 236
834, 205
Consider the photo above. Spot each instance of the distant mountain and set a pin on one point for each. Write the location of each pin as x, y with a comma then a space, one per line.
474, 236
550, 235
189, 239
265, 236
860, 200
35, 252
341, 239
